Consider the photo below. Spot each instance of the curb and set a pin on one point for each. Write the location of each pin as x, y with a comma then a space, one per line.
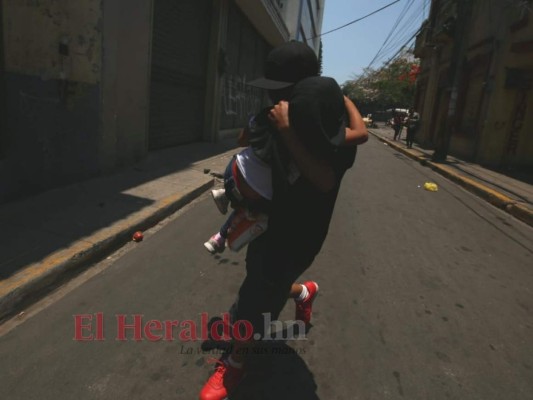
38, 279
521, 212
516, 209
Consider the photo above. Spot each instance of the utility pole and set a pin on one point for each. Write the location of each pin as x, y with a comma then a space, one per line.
460, 41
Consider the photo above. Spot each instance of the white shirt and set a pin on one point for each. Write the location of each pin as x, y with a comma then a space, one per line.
257, 173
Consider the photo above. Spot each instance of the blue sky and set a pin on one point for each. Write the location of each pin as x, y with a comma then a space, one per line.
347, 51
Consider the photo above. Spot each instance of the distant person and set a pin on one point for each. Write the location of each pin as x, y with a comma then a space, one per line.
413, 122
397, 125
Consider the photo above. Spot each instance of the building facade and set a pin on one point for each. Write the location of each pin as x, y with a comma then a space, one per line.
304, 20
91, 86
481, 75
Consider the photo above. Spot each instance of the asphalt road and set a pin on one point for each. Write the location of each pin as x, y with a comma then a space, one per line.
423, 296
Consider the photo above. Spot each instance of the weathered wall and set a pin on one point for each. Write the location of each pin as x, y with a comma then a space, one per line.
507, 139
473, 89
435, 47
495, 120
34, 30
127, 28
52, 52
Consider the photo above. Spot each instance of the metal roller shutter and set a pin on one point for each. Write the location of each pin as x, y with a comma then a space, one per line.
180, 46
246, 52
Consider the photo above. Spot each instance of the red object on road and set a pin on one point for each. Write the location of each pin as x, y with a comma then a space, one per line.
138, 236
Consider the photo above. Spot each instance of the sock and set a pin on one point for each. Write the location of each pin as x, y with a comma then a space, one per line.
234, 363
304, 294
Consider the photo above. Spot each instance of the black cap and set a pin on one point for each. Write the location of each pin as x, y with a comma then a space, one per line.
287, 64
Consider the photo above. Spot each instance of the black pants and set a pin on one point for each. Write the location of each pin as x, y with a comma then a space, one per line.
398, 131
267, 284
410, 137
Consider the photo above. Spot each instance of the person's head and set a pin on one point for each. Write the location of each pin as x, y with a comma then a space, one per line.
286, 65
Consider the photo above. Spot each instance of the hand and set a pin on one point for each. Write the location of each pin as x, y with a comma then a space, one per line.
279, 116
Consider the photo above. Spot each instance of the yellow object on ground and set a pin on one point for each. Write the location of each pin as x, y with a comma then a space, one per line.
432, 187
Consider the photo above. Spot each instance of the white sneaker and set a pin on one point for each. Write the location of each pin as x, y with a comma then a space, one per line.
222, 202
215, 244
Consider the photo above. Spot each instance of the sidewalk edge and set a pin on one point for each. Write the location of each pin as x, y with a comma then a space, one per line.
516, 209
33, 282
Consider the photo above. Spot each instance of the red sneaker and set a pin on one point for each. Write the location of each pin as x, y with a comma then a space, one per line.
224, 380
304, 309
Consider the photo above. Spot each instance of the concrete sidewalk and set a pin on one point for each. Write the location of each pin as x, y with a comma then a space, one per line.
51, 236
511, 195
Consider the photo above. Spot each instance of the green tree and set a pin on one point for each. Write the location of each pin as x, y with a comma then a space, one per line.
391, 86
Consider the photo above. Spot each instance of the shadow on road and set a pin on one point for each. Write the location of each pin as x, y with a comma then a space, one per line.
275, 371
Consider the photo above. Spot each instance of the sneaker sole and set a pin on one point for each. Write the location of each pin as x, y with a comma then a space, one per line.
210, 248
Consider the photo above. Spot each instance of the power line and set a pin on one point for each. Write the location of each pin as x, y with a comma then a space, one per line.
399, 34
401, 48
400, 37
356, 20
400, 17
390, 60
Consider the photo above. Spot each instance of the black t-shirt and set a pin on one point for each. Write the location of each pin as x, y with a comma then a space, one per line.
300, 214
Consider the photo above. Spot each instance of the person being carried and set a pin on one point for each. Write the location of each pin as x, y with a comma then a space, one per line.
248, 176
